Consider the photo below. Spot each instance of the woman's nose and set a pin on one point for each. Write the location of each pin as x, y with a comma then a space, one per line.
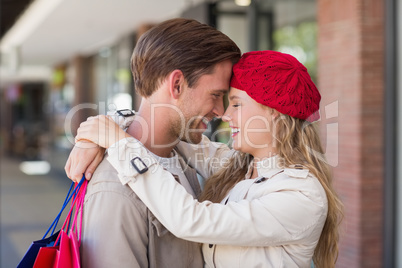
226, 117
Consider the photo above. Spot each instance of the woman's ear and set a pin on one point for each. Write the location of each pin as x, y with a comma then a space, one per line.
274, 113
176, 82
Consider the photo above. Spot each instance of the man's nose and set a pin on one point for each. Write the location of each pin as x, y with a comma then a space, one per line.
218, 109
226, 116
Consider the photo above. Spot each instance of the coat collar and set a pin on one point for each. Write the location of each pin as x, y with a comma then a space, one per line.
270, 165
264, 167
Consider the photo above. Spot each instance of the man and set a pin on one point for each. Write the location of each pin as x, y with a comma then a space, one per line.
182, 69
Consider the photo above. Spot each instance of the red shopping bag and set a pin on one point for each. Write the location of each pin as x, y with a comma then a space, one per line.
66, 253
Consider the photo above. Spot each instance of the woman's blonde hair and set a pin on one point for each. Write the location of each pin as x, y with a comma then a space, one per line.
297, 142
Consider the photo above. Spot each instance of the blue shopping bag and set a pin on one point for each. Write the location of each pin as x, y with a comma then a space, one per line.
30, 256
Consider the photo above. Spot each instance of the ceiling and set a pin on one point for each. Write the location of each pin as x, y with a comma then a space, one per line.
82, 26
9, 12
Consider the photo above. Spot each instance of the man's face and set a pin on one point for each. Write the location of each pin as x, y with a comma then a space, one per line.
204, 102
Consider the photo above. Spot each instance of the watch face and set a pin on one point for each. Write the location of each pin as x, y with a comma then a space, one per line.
126, 112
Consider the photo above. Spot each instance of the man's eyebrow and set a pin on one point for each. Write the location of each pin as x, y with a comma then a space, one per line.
221, 91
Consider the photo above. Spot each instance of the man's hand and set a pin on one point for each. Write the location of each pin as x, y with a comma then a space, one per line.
101, 130
84, 158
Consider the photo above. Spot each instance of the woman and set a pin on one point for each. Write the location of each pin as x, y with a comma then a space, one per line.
272, 204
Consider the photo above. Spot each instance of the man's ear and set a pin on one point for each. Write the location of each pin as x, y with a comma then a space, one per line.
176, 83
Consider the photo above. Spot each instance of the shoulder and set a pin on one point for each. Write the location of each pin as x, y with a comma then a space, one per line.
105, 187
299, 180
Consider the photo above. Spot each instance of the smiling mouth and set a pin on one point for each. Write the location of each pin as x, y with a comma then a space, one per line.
205, 122
234, 130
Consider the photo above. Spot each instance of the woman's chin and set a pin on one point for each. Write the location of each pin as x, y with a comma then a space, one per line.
236, 146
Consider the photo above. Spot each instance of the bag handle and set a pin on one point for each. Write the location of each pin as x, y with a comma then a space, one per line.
78, 192
79, 211
71, 193
56, 220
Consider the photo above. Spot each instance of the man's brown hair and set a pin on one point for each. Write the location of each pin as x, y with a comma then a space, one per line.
183, 44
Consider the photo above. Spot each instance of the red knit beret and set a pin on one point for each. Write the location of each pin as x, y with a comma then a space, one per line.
279, 81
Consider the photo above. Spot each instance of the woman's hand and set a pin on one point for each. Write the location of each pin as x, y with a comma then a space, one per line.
101, 130
93, 136
84, 158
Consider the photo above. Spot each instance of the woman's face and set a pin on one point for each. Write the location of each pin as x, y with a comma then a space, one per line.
251, 124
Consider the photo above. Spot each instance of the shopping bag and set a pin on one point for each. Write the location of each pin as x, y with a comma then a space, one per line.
58, 256
30, 256
66, 253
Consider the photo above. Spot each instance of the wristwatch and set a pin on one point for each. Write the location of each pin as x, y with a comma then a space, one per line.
123, 118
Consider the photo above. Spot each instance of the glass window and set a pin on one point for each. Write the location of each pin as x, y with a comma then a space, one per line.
113, 78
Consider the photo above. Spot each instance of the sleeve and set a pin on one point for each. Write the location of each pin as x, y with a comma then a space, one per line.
115, 231
207, 157
276, 218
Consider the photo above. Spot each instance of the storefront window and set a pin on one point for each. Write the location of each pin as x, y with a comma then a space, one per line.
113, 77
300, 41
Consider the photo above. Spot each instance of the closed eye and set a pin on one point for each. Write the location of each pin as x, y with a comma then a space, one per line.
218, 93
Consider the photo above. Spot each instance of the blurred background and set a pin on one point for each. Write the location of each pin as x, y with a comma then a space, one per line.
65, 60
